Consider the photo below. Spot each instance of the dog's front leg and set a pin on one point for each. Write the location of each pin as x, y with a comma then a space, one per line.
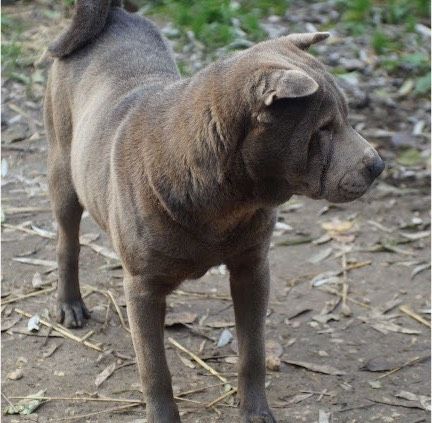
146, 312
249, 280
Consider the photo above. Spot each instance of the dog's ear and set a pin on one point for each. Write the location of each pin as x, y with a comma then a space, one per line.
288, 84
305, 40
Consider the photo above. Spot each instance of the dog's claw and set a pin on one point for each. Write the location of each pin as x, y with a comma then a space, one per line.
72, 314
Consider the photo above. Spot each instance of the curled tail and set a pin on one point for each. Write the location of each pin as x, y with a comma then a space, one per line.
88, 22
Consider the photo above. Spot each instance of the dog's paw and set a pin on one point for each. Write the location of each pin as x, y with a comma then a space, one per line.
261, 417
72, 314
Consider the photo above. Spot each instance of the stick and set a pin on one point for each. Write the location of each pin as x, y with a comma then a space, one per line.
63, 331
197, 359
31, 294
345, 309
87, 336
222, 397
333, 291
122, 321
203, 388
109, 410
103, 399
405, 309
406, 364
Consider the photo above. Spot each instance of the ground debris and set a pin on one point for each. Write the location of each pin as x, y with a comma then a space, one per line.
318, 368
27, 405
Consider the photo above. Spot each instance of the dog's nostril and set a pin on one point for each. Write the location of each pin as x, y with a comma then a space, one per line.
376, 167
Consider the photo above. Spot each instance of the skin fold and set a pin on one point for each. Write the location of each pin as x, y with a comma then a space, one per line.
186, 174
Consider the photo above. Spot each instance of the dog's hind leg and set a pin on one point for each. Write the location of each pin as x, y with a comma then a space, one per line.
67, 210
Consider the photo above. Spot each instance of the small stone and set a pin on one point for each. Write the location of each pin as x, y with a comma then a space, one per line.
15, 375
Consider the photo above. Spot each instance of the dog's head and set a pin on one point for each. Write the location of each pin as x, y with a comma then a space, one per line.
298, 140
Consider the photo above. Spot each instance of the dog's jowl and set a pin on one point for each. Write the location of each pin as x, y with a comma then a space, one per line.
186, 174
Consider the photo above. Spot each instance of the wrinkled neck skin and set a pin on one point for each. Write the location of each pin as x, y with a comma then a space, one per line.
203, 180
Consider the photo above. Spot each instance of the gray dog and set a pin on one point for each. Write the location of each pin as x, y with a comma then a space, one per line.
185, 174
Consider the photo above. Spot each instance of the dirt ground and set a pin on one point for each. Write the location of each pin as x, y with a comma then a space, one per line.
361, 358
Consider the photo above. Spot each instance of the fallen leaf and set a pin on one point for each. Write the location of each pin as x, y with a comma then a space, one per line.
423, 400
295, 241
326, 278
50, 351
415, 236
105, 374
36, 262
298, 398
27, 405
337, 226
321, 255
7, 324
375, 384
219, 324
418, 269
180, 318
318, 368
186, 361
37, 281
323, 416
325, 318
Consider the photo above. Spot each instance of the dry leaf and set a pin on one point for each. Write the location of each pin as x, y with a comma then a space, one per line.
323, 416
50, 351
321, 255
419, 269
318, 368
423, 400
219, 324
337, 226
298, 398
186, 361
180, 318
36, 262
105, 374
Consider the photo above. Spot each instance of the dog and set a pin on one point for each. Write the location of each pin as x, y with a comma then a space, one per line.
186, 174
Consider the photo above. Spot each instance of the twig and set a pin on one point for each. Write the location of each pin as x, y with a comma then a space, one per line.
7, 399
201, 295
62, 331
194, 391
406, 364
31, 294
405, 309
117, 308
345, 309
103, 399
87, 335
333, 291
198, 360
109, 410
222, 397
16, 210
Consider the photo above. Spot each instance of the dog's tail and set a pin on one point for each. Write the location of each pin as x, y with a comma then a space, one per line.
88, 22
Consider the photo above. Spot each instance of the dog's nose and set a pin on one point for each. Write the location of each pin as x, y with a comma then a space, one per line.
375, 167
